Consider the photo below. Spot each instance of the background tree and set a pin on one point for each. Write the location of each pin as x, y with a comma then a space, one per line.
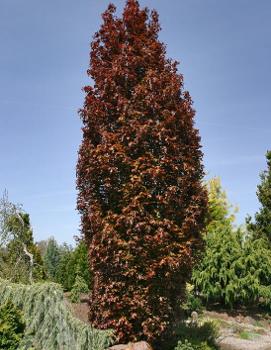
236, 267
139, 176
51, 258
221, 213
63, 262
20, 258
262, 225
79, 287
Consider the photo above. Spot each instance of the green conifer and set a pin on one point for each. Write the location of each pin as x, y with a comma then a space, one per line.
262, 225
12, 326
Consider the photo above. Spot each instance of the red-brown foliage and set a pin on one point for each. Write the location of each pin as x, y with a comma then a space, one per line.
139, 176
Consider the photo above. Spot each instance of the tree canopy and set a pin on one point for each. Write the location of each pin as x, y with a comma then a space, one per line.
139, 177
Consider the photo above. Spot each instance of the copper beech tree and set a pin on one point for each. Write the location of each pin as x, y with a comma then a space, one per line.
139, 175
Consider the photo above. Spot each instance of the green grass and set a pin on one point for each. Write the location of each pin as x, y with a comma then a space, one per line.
248, 335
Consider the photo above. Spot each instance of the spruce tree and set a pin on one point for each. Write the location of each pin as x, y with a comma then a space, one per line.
139, 177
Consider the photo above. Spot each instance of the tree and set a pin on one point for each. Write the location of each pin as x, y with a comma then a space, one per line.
79, 287
236, 267
215, 277
220, 211
139, 174
51, 258
80, 262
262, 225
20, 258
63, 262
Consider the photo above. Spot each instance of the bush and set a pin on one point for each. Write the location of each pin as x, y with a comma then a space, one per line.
235, 270
186, 345
236, 267
49, 323
192, 303
79, 287
195, 336
12, 326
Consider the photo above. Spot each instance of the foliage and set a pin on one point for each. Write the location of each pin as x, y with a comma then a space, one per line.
79, 287
255, 273
63, 263
236, 268
192, 302
186, 345
220, 211
11, 326
20, 258
73, 262
51, 258
80, 263
262, 225
49, 323
196, 336
217, 276
139, 175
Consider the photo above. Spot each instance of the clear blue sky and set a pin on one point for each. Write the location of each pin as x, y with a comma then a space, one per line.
225, 53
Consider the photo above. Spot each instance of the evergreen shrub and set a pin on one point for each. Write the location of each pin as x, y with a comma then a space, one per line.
200, 335
79, 287
50, 324
12, 326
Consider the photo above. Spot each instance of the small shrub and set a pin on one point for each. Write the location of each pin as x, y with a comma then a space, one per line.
80, 286
186, 345
201, 337
11, 326
192, 303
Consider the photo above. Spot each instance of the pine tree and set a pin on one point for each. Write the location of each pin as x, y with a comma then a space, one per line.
262, 225
139, 174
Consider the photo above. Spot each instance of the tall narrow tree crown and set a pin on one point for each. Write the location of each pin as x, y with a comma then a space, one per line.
139, 176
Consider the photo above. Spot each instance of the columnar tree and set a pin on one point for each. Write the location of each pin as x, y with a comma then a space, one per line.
139, 177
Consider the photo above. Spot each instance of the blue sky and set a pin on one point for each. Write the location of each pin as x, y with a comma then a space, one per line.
225, 53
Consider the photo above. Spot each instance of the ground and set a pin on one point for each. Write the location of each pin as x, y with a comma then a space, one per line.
238, 330
242, 330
